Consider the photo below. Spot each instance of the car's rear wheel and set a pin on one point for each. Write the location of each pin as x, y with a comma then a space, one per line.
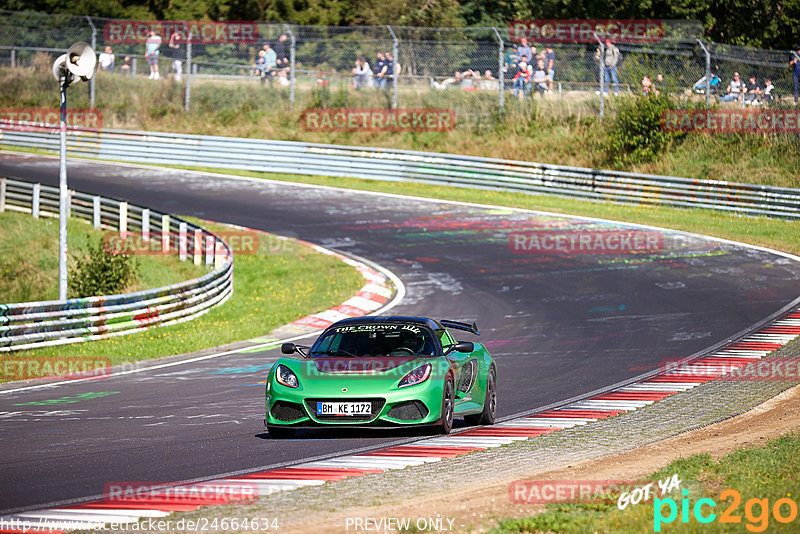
487, 416
448, 406
280, 432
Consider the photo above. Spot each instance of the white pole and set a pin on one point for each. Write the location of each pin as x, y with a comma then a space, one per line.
62, 194
37, 191
182, 245
123, 220
165, 233
198, 246
96, 212
146, 224
2, 195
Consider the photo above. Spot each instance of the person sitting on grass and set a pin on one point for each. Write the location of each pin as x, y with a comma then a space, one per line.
768, 88
752, 91
540, 77
735, 89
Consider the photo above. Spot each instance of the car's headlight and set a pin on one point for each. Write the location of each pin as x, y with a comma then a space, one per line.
417, 376
285, 376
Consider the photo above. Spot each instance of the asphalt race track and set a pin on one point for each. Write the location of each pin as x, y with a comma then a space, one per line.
558, 324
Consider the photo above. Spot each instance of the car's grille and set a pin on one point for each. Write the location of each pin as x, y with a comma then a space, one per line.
377, 406
287, 411
408, 411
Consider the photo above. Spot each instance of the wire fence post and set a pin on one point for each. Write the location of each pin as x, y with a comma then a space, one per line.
13, 58
394, 67
708, 72
292, 49
501, 79
600, 75
94, 47
188, 94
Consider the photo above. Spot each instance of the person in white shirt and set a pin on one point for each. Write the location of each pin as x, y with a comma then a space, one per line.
106, 59
735, 89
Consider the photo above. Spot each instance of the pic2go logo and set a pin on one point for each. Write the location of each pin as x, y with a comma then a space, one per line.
756, 511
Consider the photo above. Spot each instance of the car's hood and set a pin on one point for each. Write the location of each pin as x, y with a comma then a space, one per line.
373, 365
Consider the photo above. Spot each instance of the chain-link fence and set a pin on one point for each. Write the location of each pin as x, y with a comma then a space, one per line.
473, 71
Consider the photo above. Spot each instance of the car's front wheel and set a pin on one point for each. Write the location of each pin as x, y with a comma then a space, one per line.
280, 432
448, 406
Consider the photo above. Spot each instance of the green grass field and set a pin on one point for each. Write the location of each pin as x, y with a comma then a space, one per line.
282, 282
29, 258
764, 474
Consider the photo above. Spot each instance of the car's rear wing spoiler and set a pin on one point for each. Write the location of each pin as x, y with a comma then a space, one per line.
461, 326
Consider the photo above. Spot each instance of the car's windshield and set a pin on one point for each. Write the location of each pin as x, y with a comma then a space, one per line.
371, 340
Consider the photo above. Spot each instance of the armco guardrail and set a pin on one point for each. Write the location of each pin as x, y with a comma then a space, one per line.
405, 165
37, 324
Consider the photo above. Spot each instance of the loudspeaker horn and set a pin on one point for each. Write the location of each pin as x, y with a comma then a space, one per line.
81, 60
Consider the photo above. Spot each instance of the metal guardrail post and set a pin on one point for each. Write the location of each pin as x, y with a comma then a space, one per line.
292, 53
501, 79
394, 67
165, 233
123, 218
182, 241
94, 47
146, 224
197, 246
96, 212
187, 95
37, 191
708, 72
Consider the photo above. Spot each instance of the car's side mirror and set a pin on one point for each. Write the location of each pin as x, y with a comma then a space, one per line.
288, 348
464, 346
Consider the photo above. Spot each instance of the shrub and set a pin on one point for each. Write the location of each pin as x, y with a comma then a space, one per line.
636, 136
99, 272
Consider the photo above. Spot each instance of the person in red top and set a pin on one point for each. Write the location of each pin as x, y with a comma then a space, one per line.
522, 79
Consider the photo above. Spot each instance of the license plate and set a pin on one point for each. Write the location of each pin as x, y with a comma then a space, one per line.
344, 409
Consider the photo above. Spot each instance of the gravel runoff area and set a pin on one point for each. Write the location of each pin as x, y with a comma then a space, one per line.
320, 508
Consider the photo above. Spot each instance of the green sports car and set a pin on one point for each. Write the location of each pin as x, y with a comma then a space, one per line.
384, 372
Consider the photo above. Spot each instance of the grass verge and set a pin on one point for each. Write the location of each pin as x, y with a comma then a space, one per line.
273, 287
29, 258
761, 476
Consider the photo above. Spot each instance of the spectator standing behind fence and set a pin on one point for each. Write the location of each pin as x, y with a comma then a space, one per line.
378, 69
392, 68
795, 64
540, 77
361, 74
610, 62
550, 67
524, 50
282, 52
489, 82
175, 52
735, 89
151, 52
648, 87
106, 59
522, 79
270, 63
125, 68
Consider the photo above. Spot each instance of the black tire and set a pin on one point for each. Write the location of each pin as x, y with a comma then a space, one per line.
448, 407
280, 432
489, 403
